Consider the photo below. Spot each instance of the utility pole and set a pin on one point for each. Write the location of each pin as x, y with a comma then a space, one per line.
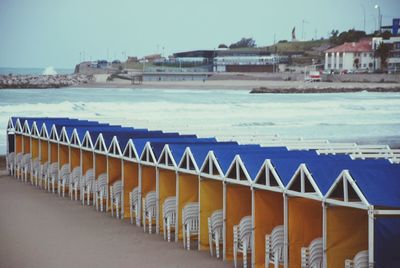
364, 14
302, 29
379, 17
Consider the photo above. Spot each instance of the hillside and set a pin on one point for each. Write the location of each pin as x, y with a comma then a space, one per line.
299, 46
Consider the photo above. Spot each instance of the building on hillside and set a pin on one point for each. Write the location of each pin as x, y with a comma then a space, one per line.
152, 58
352, 57
393, 61
245, 63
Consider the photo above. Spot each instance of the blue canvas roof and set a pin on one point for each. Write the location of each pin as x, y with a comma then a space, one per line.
110, 131
225, 155
49, 123
199, 151
378, 180
253, 160
123, 140
59, 127
81, 130
140, 143
158, 146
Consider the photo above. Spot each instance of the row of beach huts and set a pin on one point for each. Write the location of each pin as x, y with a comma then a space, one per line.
258, 206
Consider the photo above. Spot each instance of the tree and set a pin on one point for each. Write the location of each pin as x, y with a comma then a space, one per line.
356, 63
349, 36
243, 43
222, 46
382, 52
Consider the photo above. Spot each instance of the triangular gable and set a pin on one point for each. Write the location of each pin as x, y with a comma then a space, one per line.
130, 151
43, 132
10, 125
114, 147
345, 191
237, 171
100, 144
18, 127
87, 141
75, 139
268, 177
35, 130
26, 129
148, 155
166, 158
303, 183
187, 162
53, 133
64, 136
211, 167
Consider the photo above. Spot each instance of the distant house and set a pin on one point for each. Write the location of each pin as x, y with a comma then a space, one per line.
354, 56
152, 58
393, 60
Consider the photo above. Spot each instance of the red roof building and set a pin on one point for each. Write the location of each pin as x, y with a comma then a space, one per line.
364, 45
353, 56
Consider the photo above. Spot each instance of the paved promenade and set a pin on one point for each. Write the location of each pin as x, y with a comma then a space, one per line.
38, 229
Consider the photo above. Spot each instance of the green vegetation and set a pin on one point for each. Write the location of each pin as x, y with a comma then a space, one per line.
382, 52
349, 36
244, 43
297, 46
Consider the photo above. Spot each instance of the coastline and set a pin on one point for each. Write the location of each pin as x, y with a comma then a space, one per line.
252, 85
257, 86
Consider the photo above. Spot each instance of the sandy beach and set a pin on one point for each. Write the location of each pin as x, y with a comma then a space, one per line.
276, 86
39, 229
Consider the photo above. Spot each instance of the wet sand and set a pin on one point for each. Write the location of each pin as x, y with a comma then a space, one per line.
39, 229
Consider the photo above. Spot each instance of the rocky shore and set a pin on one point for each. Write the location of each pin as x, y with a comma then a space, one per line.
326, 87
43, 81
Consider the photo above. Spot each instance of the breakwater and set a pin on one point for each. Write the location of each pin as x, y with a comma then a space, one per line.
43, 81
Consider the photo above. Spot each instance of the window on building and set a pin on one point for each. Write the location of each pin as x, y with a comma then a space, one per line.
365, 65
340, 65
365, 54
329, 65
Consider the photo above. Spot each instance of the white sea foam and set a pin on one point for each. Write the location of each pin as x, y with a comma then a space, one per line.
216, 113
49, 71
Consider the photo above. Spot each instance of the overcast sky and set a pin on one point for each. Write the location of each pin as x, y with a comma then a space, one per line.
40, 33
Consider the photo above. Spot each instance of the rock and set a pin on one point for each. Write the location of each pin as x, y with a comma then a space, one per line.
42, 81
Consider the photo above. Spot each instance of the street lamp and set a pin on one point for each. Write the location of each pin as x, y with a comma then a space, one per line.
379, 17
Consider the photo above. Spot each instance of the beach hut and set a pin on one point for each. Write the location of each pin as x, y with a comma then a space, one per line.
116, 167
101, 165
267, 201
130, 177
251, 213
36, 152
362, 214
212, 189
88, 160
148, 174
10, 146
303, 198
176, 161
76, 136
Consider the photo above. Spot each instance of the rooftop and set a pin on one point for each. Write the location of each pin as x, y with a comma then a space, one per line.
364, 45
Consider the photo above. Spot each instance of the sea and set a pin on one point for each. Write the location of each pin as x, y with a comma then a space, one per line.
362, 117
33, 71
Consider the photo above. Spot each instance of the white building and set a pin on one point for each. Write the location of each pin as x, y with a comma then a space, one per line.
355, 56
393, 61
221, 62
